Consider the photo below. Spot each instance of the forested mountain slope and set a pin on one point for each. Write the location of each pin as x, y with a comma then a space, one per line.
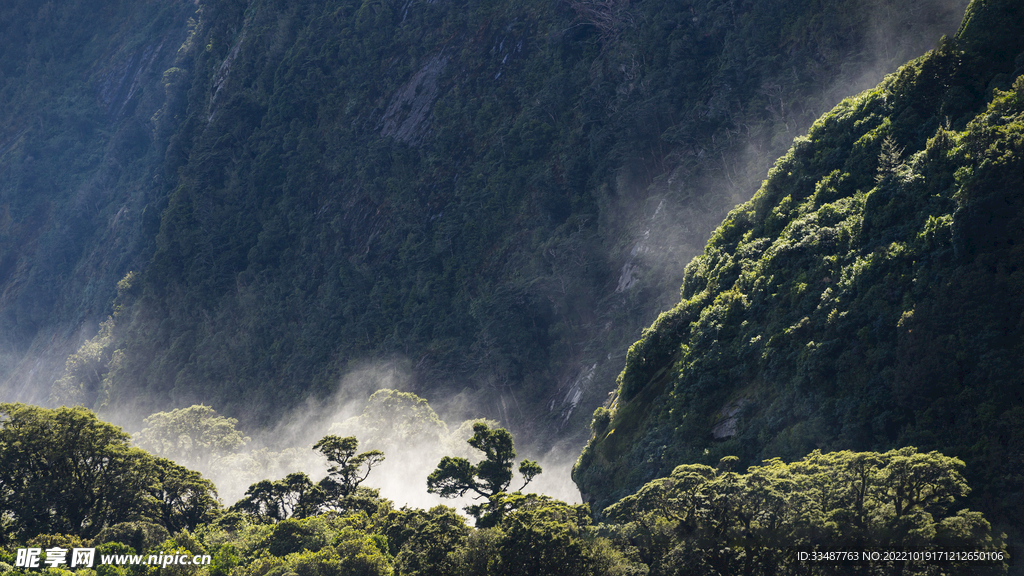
869, 296
85, 113
493, 195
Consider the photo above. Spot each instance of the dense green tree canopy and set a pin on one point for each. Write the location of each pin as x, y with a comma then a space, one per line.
342, 180
866, 298
65, 471
183, 497
293, 496
433, 547
716, 520
699, 520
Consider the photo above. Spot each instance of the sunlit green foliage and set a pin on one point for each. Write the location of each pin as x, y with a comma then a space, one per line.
544, 538
699, 520
84, 370
313, 184
434, 548
719, 521
538, 536
64, 471
306, 215
865, 298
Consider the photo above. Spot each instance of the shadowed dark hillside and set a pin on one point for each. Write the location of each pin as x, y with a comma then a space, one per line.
85, 114
493, 196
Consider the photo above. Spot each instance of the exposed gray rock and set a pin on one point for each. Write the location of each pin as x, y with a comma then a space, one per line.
727, 426
407, 116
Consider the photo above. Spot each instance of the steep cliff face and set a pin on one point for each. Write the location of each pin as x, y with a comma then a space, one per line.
493, 195
86, 107
868, 296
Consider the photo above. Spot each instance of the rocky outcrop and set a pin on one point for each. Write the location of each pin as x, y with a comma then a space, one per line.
407, 117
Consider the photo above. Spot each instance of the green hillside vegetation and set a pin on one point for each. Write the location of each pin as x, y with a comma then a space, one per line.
301, 187
868, 297
488, 192
698, 520
85, 117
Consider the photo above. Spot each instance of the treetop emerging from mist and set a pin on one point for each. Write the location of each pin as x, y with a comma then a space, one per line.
455, 477
391, 419
66, 477
297, 496
348, 469
192, 436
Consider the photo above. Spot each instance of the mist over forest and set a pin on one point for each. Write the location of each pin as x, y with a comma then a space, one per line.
497, 198
512, 287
